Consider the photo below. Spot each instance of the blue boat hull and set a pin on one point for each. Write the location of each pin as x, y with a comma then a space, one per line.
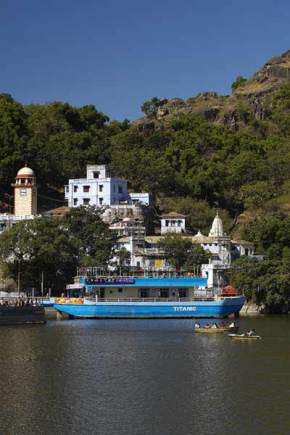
117, 310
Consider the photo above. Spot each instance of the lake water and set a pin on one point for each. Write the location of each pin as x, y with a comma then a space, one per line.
139, 377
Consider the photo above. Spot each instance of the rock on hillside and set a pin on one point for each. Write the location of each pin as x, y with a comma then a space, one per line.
248, 101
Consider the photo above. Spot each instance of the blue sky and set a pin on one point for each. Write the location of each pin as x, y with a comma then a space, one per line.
116, 54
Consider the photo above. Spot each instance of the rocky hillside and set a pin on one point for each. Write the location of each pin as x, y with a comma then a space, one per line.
249, 100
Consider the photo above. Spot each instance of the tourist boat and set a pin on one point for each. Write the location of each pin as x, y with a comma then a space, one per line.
218, 329
244, 337
146, 297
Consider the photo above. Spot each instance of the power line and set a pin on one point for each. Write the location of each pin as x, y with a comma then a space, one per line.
51, 198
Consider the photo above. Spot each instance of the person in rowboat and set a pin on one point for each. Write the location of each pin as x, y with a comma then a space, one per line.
251, 332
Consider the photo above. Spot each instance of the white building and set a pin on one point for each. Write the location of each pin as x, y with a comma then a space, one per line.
172, 223
217, 243
220, 245
100, 189
146, 254
8, 220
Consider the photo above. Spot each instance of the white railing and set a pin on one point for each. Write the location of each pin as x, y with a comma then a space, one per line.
149, 299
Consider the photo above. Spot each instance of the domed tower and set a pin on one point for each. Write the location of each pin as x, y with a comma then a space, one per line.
25, 193
217, 228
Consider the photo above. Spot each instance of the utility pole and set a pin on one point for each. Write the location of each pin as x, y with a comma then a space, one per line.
42, 283
18, 278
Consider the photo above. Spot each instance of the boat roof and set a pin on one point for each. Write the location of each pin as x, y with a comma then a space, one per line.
107, 282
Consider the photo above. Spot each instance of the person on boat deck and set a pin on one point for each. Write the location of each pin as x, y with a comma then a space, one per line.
251, 332
197, 325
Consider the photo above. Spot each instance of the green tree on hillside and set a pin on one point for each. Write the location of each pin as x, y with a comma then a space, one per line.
240, 80
56, 247
13, 135
150, 107
263, 282
181, 253
41, 245
92, 235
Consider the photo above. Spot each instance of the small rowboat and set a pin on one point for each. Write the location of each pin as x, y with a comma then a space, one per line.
217, 330
244, 337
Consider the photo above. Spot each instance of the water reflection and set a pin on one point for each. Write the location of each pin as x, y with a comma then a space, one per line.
143, 377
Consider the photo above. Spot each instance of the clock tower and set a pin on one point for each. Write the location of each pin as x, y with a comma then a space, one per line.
25, 193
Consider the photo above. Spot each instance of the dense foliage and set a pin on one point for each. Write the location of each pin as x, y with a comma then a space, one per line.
181, 253
191, 160
55, 248
265, 282
190, 165
266, 279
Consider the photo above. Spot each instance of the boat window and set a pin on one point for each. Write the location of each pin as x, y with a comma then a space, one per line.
164, 293
182, 293
144, 293
120, 290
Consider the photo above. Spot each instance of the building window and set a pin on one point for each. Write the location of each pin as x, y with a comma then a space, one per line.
86, 201
101, 200
75, 201
167, 223
96, 174
76, 188
101, 186
23, 192
114, 188
86, 188
120, 189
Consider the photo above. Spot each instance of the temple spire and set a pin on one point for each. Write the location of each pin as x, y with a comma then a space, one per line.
217, 228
